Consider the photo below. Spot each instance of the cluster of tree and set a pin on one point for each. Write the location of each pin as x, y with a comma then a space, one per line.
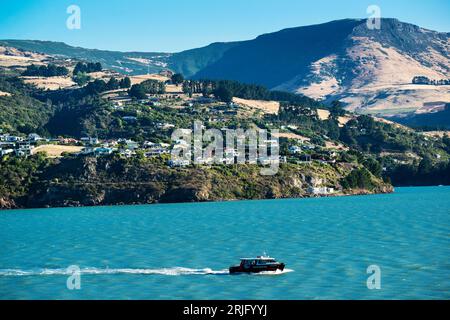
98, 86
426, 80
306, 119
358, 179
224, 89
87, 67
177, 78
45, 71
366, 134
140, 91
426, 173
20, 112
81, 78
18, 174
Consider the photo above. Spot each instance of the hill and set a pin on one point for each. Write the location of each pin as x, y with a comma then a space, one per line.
371, 71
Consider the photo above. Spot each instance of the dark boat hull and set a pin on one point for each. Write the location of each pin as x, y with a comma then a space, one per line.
257, 269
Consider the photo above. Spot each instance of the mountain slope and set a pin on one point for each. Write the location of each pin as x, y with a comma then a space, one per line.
369, 70
274, 58
125, 62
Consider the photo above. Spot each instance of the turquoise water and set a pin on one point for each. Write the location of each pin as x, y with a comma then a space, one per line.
182, 251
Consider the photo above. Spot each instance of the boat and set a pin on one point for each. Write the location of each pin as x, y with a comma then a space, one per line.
256, 265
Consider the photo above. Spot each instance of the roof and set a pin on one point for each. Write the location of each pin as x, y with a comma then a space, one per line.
258, 258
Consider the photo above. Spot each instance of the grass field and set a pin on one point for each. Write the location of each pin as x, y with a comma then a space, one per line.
55, 151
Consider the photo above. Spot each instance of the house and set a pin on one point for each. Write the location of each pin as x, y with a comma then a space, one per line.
103, 151
127, 153
129, 118
166, 73
70, 141
320, 190
33, 137
165, 126
14, 138
295, 149
179, 163
88, 150
156, 152
5, 151
24, 150
89, 140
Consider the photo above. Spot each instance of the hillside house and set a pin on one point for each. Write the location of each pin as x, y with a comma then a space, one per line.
320, 190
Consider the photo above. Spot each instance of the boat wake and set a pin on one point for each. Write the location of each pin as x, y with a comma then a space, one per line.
177, 271
273, 273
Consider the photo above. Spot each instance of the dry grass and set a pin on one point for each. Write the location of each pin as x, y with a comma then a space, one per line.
335, 146
173, 89
323, 114
12, 57
382, 82
290, 135
55, 151
50, 83
143, 77
10, 61
395, 124
438, 134
268, 107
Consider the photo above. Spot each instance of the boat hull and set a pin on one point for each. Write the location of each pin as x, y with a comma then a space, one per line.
257, 269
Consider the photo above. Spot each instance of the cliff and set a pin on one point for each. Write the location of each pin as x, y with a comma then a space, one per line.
85, 181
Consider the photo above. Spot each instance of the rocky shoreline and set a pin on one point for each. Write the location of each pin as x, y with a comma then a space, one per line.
101, 181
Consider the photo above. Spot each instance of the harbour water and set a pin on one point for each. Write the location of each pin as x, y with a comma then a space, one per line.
183, 251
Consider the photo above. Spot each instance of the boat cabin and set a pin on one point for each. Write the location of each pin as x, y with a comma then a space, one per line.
261, 261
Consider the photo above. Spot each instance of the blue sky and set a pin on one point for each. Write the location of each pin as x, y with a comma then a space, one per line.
175, 25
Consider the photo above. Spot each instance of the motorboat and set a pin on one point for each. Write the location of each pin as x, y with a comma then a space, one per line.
256, 265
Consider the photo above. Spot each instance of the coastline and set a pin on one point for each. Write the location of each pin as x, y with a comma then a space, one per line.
351, 193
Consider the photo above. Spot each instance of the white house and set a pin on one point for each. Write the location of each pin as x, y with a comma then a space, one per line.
320, 190
295, 149
179, 163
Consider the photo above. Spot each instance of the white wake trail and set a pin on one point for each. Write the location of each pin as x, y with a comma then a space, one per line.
177, 271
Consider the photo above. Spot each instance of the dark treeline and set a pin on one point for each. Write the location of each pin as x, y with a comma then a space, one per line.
140, 91
224, 89
425, 174
45, 71
87, 67
426, 80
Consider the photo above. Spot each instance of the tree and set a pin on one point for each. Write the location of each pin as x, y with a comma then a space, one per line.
97, 86
98, 67
224, 94
177, 78
87, 68
337, 109
45, 71
113, 84
125, 83
425, 166
81, 78
137, 91
358, 178
373, 166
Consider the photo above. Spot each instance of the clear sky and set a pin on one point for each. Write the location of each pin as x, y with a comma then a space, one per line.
175, 25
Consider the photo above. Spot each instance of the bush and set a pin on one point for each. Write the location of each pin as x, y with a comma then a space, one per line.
358, 179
